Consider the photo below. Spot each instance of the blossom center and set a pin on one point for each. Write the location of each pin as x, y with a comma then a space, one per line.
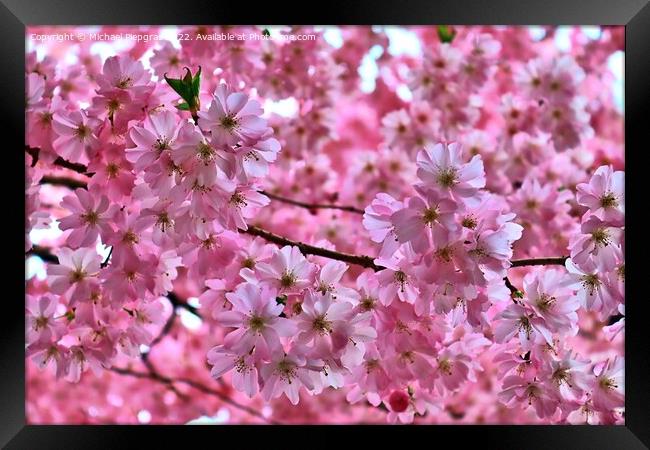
371, 365
286, 370
607, 383
600, 236
82, 132
368, 303
447, 177
524, 324
562, 375
90, 217
591, 282
532, 204
238, 199
430, 215
112, 170
241, 366
41, 322
208, 243
130, 238
77, 276
163, 221
400, 278
205, 152
160, 145
445, 253
229, 122
545, 302
445, 366
288, 279
324, 287
469, 222
113, 105
248, 263
608, 201
124, 82
322, 325
256, 323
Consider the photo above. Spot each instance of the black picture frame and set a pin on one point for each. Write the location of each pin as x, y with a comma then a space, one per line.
15, 15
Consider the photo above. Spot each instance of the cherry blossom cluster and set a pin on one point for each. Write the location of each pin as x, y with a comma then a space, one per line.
260, 230
165, 192
539, 366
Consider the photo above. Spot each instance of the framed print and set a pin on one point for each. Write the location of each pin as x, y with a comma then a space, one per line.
388, 219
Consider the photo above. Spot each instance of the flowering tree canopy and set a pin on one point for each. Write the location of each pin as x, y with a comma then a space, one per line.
324, 225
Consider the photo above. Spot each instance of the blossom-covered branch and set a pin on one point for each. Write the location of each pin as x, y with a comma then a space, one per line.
168, 381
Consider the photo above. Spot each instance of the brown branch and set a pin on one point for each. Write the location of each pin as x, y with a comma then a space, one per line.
63, 181
76, 167
176, 301
74, 183
155, 376
44, 253
163, 332
108, 258
312, 206
549, 261
364, 261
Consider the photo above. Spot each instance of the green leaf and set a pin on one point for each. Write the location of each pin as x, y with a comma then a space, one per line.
266, 32
196, 83
183, 106
187, 79
281, 300
446, 33
180, 87
519, 294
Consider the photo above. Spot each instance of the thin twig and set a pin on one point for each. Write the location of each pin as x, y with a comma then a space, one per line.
164, 331
196, 385
312, 206
176, 301
108, 258
364, 261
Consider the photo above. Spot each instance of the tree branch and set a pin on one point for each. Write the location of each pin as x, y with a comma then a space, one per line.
63, 181
364, 261
177, 302
155, 376
73, 184
312, 206
108, 258
76, 167
547, 261
44, 253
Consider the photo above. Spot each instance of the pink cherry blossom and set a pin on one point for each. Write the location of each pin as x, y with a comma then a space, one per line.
232, 118
90, 218
287, 270
255, 314
74, 272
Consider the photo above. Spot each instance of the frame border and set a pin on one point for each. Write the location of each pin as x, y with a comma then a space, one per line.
15, 15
